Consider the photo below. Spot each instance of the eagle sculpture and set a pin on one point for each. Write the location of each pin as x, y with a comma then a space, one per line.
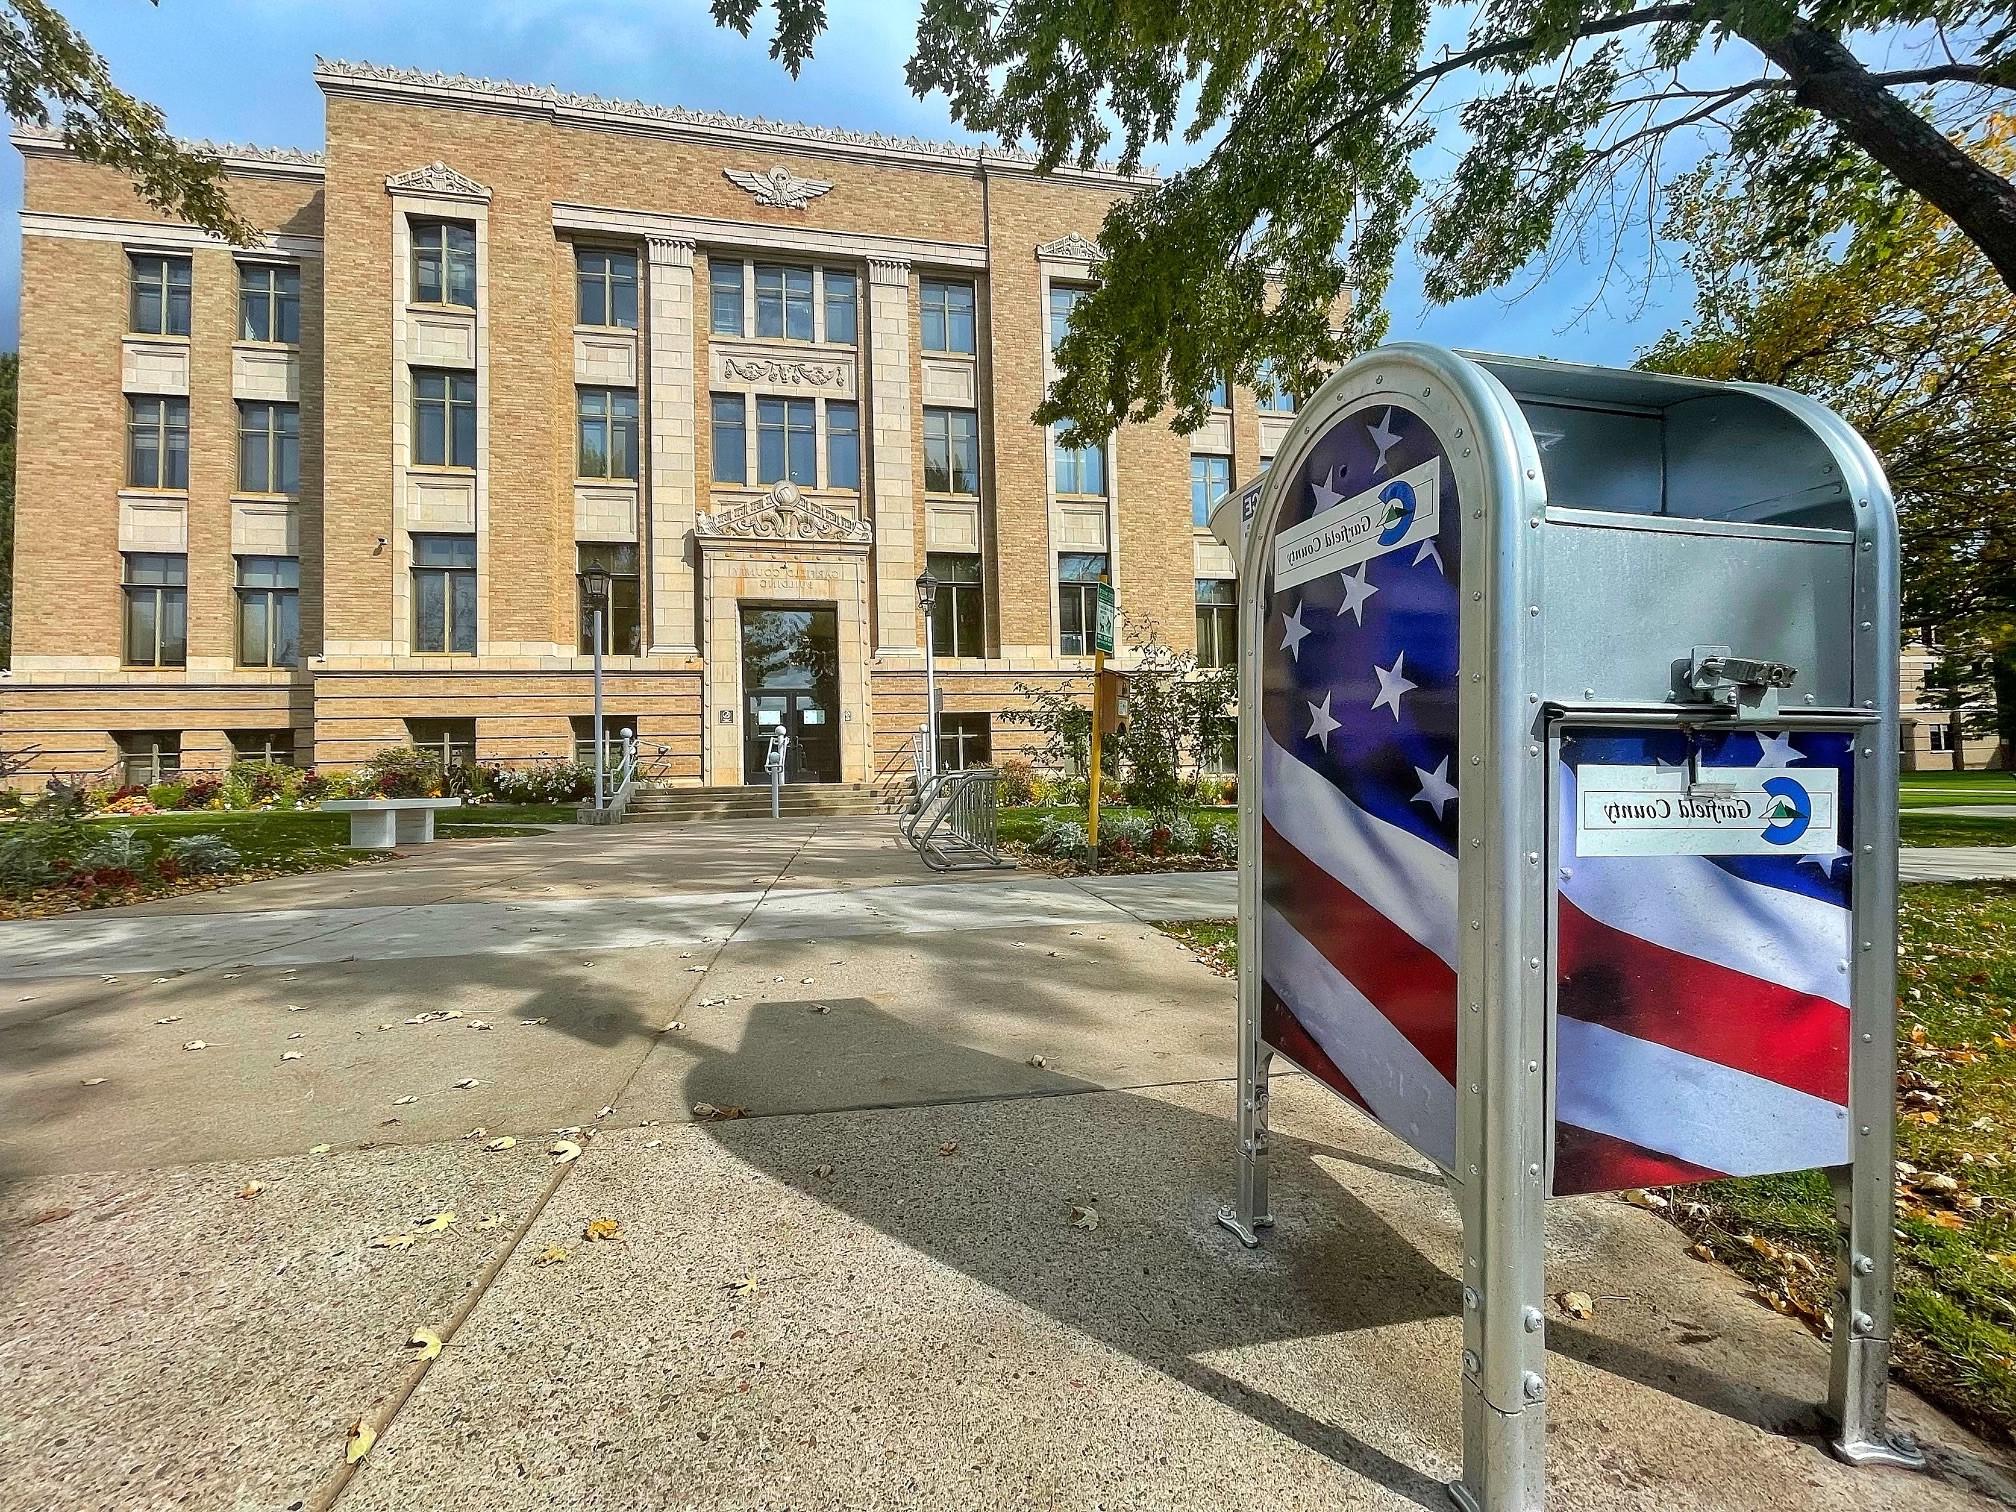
780, 187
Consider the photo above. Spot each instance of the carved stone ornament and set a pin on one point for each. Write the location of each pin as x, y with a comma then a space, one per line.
785, 514
786, 372
1071, 247
437, 181
780, 188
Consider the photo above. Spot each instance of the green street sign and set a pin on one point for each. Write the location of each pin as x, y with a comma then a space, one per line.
1102, 634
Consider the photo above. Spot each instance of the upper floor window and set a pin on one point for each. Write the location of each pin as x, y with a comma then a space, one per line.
843, 444
157, 442
724, 297
444, 263
622, 624
1221, 396
1063, 299
956, 610
1217, 622
784, 302
269, 611
444, 593
605, 287
842, 322
731, 438
160, 295
1081, 469
156, 587
269, 303
1275, 395
786, 442
951, 451
947, 310
1210, 477
444, 418
608, 433
269, 447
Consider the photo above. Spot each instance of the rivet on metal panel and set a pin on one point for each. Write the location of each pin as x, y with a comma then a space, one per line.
1530, 1316
1532, 750
1533, 1171
1864, 1323
1868, 703
1533, 610
1470, 1298
1588, 692
1475, 1089
1864, 1265
1866, 625
1864, 1131
1534, 523
1466, 452
1810, 698
1868, 849
1424, 395
1566, 873
1533, 1386
1470, 1361
1476, 761
1867, 544
1868, 944
1861, 503
1868, 751
1533, 963
1476, 845
1474, 924
1532, 472
1868, 1039
1475, 598
1532, 1068
1473, 1177
1532, 857
1532, 698
1476, 1007
1458, 434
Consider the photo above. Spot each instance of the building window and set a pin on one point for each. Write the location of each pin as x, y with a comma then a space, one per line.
148, 756
1063, 299
1221, 396
269, 447
157, 609
160, 295
964, 741
605, 288
1221, 746
1274, 393
1078, 575
1217, 622
784, 302
269, 611
613, 726
269, 303
1210, 477
731, 438
1942, 737
951, 451
444, 593
956, 612
786, 443
843, 444
452, 742
1081, 469
842, 322
622, 624
947, 310
608, 433
444, 418
273, 747
444, 263
724, 297
157, 443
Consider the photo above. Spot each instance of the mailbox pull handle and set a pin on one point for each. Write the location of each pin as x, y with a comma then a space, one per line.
1745, 685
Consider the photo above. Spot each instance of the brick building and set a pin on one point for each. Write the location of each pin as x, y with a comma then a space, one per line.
335, 493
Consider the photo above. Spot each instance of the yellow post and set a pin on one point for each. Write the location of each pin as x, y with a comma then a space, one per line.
1098, 725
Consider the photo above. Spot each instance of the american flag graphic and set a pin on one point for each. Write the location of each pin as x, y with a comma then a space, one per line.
1359, 772
1702, 1019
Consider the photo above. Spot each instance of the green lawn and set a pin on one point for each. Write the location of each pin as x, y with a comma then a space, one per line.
508, 813
1950, 829
1018, 826
1956, 1134
1936, 789
288, 840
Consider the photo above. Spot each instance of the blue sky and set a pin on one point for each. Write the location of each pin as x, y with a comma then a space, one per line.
229, 70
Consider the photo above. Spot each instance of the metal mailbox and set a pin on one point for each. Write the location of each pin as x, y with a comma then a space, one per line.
1568, 830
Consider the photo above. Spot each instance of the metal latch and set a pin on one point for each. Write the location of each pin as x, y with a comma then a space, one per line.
1747, 686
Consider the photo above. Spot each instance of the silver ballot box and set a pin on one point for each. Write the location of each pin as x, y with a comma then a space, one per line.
1568, 817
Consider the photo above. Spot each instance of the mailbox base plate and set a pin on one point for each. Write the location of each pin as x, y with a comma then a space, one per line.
1897, 1453
1228, 1219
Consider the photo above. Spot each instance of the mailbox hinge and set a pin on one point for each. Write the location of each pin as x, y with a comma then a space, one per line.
1747, 687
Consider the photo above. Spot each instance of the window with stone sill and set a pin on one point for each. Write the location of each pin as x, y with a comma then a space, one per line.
1221, 395
157, 442
622, 621
1078, 577
957, 612
1080, 470
444, 263
444, 594
148, 756
786, 441
731, 438
269, 611
951, 451
964, 741
724, 296
269, 303
605, 288
843, 444
945, 310
269, 447
156, 589
1063, 299
1217, 622
1275, 398
607, 434
444, 418
783, 302
160, 294
1210, 477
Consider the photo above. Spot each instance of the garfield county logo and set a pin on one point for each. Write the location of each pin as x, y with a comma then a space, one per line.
1398, 498
1787, 812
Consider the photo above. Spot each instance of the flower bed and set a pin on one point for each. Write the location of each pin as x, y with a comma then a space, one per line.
1193, 840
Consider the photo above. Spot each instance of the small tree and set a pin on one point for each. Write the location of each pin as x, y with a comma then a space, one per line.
1062, 715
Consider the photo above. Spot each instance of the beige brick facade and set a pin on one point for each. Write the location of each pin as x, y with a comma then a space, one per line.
535, 177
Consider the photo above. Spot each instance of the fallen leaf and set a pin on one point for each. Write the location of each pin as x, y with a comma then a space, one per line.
392, 1242
476, 1024
94, 1081
1941, 1185
611, 1108
532, 1023
51, 1215
318, 1149
1701, 1252
672, 1028
708, 1113
434, 1223
362, 1437
950, 1147
173, 1018
452, 1013
1576, 1304
1762, 1247
742, 1286
503, 1143
1084, 1216
296, 1036
553, 1254
287, 1055
1652, 1202
400, 1102
252, 1189
296, 1008
1036, 1062
602, 1228
822, 1171
426, 1341
196, 1045
563, 1150
466, 1083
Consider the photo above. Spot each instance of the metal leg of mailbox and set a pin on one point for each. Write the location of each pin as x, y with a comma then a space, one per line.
1858, 1389
1251, 1211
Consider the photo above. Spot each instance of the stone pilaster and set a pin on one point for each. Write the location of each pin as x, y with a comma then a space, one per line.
674, 494
893, 478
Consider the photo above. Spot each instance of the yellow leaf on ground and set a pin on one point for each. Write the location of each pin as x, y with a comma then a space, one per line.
504, 1143
742, 1286
1763, 1247
1701, 1252
434, 1224
1576, 1304
602, 1228
362, 1437
553, 1254
252, 1189
393, 1241
426, 1341
1084, 1216
563, 1150
318, 1149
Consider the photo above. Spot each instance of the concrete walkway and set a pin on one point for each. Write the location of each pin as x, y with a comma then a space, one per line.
864, 1288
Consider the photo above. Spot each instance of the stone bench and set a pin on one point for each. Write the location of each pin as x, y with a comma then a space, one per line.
382, 823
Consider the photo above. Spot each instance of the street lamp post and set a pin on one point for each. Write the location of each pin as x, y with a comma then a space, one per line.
927, 595
595, 585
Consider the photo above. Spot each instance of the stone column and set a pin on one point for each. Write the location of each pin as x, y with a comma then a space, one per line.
894, 482
674, 496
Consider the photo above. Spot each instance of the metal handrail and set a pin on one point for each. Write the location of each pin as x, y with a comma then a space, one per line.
619, 784
955, 824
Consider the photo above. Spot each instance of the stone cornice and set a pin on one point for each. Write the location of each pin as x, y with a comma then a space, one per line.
424, 87
785, 514
237, 157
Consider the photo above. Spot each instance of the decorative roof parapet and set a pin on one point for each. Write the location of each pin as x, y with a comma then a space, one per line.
243, 156
436, 181
636, 115
784, 514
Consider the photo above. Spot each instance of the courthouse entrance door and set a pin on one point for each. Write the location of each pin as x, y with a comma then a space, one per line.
791, 681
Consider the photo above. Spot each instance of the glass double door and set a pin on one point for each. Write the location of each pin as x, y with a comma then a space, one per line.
791, 682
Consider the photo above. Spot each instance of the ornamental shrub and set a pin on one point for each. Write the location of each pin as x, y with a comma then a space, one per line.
202, 793
119, 850
1062, 838
204, 855
168, 795
1018, 781
37, 849
403, 772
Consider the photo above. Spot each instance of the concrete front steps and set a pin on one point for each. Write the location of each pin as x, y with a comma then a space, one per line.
801, 800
